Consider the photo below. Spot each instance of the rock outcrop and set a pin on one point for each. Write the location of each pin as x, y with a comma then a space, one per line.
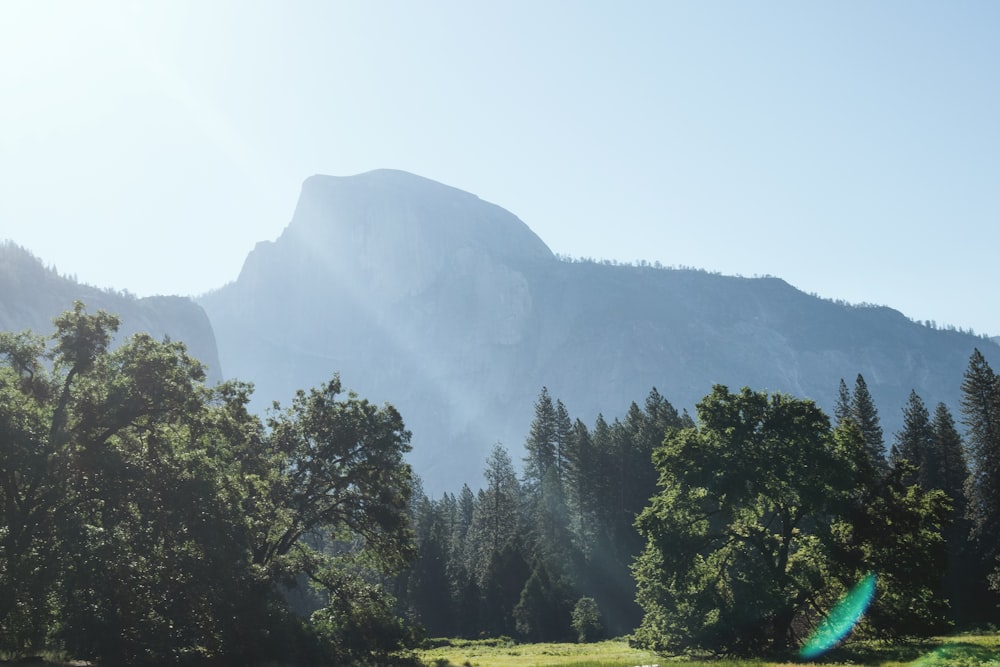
453, 310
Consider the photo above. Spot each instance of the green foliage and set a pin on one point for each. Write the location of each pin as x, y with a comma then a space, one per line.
516, 555
734, 554
915, 443
149, 519
764, 517
860, 409
543, 611
895, 530
586, 620
981, 414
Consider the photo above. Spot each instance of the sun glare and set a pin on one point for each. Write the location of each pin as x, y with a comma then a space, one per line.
841, 620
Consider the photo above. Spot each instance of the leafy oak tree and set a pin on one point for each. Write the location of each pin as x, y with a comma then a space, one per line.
759, 525
149, 519
735, 552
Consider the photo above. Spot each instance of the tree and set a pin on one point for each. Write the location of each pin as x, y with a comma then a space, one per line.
842, 408
981, 415
496, 520
586, 620
728, 565
148, 518
31, 496
543, 609
865, 415
894, 528
564, 442
915, 444
427, 580
340, 464
581, 493
496, 549
949, 469
949, 472
542, 443
462, 567
758, 506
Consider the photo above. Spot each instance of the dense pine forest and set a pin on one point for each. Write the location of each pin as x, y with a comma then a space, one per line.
733, 533
149, 518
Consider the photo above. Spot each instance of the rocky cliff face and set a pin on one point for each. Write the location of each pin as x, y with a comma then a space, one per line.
32, 295
454, 311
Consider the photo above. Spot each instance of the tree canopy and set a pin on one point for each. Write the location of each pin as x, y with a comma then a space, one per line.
146, 518
759, 524
149, 519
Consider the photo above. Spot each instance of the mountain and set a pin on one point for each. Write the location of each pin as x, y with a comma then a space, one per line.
452, 309
31, 295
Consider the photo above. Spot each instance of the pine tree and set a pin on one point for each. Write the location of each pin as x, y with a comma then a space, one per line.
950, 469
542, 442
842, 409
563, 441
865, 415
428, 577
581, 481
461, 566
981, 414
496, 544
497, 516
962, 584
915, 445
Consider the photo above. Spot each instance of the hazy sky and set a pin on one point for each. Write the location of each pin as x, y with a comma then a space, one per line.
851, 148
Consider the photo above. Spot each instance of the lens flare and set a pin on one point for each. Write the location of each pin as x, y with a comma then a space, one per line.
844, 615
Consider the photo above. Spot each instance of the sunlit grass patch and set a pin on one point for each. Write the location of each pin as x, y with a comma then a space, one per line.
491, 653
973, 650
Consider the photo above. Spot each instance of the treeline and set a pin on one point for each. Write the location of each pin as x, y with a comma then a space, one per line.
783, 506
150, 519
516, 558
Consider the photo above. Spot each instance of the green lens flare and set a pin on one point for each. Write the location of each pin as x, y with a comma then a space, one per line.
844, 615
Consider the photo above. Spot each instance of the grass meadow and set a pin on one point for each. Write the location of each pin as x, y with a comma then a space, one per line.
971, 650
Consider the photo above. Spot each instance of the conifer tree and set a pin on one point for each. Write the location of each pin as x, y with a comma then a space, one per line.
581, 492
842, 409
865, 415
915, 445
542, 442
563, 441
859, 408
981, 415
428, 580
497, 517
962, 584
950, 469
461, 567
497, 550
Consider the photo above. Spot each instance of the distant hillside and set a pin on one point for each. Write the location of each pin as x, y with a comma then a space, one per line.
453, 310
31, 295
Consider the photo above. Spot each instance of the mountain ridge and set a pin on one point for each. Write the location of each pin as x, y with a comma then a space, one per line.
453, 310
31, 295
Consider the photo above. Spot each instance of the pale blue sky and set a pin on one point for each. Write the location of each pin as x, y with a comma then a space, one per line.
851, 148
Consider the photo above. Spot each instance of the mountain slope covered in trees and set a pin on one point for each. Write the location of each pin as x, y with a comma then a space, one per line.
31, 294
456, 312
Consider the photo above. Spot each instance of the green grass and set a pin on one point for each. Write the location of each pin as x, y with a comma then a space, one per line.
982, 650
494, 653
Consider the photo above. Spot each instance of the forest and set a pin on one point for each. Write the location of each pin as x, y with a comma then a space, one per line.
149, 518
